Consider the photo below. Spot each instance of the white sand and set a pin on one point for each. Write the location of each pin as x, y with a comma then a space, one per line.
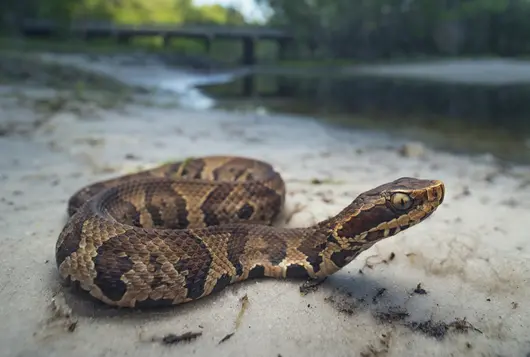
471, 257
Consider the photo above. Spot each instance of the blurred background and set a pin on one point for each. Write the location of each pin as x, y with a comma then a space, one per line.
453, 74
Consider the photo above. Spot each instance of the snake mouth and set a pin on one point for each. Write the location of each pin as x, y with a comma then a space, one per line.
435, 193
435, 197
441, 195
432, 197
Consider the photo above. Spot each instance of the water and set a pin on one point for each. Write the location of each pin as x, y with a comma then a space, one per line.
461, 116
470, 106
150, 73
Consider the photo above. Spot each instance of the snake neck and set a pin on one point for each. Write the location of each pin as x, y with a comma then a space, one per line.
337, 241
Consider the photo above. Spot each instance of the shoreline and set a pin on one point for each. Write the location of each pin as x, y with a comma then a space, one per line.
453, 284
153, 81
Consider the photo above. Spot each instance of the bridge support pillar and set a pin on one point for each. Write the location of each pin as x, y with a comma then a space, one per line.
207, 44
166, 41
283, 49
248, 86
123, 39
249, 55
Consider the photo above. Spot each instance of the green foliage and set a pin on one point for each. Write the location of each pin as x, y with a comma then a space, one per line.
389, 28
216, 14
170, 12
119, 11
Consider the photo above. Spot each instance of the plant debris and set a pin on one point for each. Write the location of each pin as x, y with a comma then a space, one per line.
62, 314
393, 314
172, 339
244, 305
379, 293
419, 290
311, 285
369, 265
60, 319
227, 337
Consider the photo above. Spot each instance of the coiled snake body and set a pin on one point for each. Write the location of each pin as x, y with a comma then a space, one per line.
185, 230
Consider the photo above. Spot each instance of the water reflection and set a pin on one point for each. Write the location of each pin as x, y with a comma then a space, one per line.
454, 116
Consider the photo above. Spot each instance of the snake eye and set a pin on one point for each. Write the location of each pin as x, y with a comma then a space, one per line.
401, 201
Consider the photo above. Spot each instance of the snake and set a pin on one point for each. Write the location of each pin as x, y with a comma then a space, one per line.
187, 229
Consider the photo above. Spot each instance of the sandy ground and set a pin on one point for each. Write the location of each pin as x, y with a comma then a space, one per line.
455, 285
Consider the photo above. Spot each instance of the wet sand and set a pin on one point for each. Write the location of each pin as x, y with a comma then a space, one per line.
455, 284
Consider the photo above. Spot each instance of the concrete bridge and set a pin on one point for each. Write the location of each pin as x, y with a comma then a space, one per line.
249, 35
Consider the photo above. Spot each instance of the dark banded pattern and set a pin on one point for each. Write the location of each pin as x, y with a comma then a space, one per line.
185, 230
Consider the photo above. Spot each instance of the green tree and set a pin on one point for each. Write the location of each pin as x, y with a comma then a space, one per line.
119, 11
383, 28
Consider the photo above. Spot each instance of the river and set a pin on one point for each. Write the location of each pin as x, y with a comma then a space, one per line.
469, 106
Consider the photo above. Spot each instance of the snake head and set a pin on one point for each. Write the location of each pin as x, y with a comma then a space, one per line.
387, 210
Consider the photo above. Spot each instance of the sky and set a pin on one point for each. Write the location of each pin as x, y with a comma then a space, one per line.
248, 8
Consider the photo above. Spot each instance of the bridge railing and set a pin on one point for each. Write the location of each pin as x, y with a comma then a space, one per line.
106, 27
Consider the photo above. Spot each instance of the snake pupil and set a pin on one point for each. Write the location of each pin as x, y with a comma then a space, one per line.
401, 201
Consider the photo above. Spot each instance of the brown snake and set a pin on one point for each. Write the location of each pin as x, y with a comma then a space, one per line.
185, 230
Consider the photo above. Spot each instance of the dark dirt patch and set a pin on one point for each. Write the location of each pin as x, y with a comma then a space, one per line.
19, 68
378, 349
431, 328
342, 305
397, 315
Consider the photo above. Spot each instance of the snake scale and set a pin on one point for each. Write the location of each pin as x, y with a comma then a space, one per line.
185, 230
